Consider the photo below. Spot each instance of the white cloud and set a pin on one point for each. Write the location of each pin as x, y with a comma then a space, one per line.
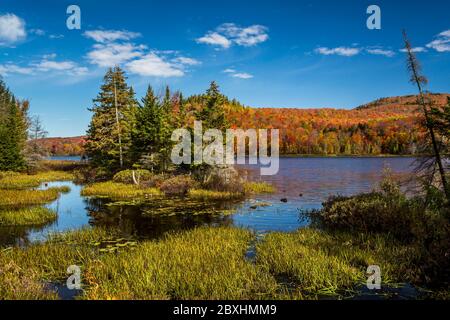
152, 65
442, 42
229, 33
38, 32
382, 52
111, 54
104, 36
415, 50
214, 38
341, 51
235, 74
242, 75
56, 36
186, 61
45, 66
12, 29
9, 68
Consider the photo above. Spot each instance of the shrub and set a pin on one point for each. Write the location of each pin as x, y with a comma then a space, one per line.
178, 185
126, 176
220, 178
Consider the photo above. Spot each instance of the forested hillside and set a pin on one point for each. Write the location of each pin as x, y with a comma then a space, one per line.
385, 126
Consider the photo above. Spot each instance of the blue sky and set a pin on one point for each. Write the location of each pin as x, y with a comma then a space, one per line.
264, 53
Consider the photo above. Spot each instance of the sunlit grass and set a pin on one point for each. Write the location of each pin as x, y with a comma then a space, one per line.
205, 263
258, 188
118, 191
21, 198
25, 181
317, 263
200, 194
27, 216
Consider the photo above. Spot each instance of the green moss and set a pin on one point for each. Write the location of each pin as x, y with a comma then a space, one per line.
27, 217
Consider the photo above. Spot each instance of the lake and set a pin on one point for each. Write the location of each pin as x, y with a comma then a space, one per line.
304, 182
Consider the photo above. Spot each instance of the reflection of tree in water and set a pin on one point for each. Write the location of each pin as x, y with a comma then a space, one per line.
19, 236
152, 220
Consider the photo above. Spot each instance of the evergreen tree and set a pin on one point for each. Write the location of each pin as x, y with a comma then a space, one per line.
109, 134
212, 113
13, 130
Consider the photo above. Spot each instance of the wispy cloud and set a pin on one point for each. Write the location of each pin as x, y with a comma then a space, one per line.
235, 74
113, 48
111, 54
415, 50
45, 66
442, 42
152, 65
12, 29
229, 33
381, 52
340, 51
104, 36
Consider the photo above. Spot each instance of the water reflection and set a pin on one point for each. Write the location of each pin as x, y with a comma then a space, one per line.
304, 182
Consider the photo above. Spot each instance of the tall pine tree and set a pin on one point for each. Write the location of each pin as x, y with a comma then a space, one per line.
109, 135
212, 113
13, 130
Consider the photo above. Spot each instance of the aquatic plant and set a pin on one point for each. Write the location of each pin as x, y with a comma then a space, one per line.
26, 217
118, 191
25, 181
258, 188
200, 194
21, 198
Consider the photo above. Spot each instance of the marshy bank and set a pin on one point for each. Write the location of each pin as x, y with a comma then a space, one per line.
164, 241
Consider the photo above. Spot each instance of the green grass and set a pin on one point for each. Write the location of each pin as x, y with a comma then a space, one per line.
118, 191
27, 217
205, 263
200, 194
315, 263
21, 198
24, 181
258, 188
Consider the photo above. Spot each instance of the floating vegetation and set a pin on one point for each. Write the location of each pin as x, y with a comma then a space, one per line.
258, 188
201, 194
25, 181
116, 190
27, 217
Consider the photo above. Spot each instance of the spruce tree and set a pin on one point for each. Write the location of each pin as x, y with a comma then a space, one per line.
212, 113
109, 135
13, 131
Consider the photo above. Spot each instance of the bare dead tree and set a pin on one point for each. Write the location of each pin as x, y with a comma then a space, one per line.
420, 81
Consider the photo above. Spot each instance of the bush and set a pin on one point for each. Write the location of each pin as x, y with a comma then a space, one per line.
220, 178
126, 176
178, 185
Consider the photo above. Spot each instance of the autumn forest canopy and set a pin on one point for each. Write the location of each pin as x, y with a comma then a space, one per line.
387, 126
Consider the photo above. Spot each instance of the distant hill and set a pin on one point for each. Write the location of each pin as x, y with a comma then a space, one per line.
385, 126
72, 146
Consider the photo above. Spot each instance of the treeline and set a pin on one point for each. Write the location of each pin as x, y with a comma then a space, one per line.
127, 133
13, 130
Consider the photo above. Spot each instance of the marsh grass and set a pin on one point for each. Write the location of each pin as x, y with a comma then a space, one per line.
21, 198
316, 263
200, 194
25, 181
116, 190
27, 217
205, 263
258, 188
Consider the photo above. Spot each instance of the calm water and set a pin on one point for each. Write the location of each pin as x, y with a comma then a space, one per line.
304, 182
